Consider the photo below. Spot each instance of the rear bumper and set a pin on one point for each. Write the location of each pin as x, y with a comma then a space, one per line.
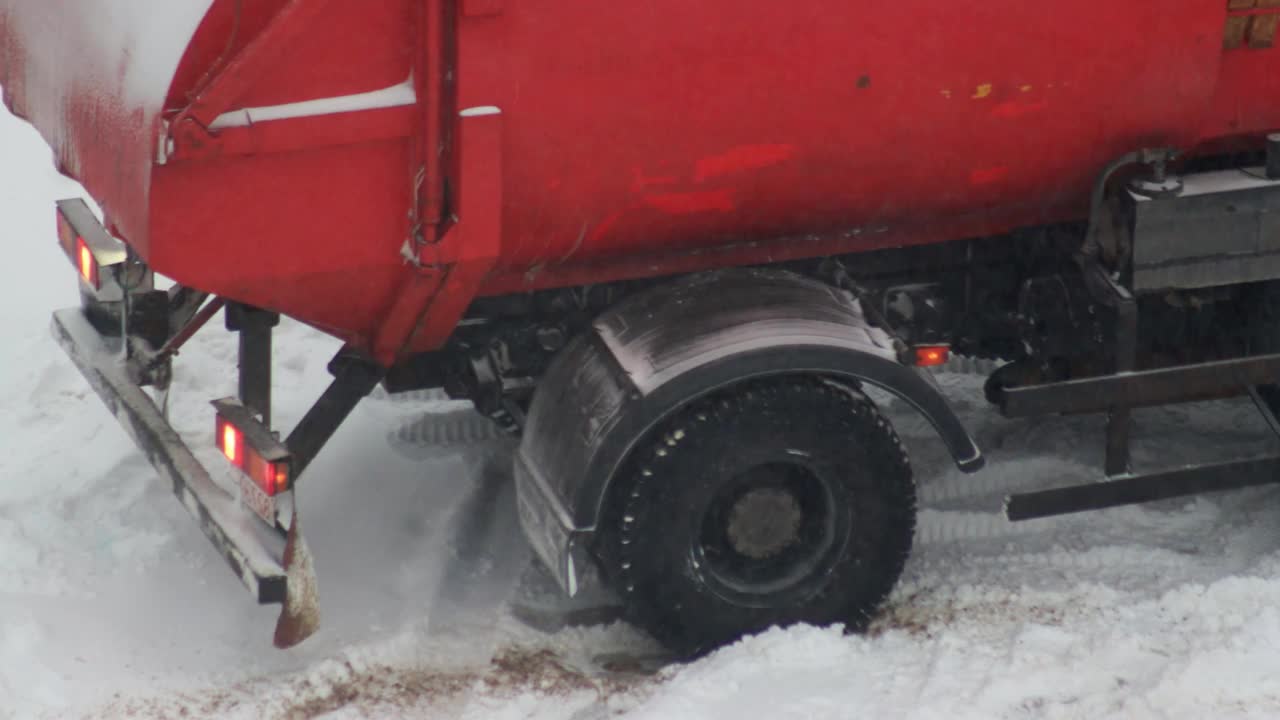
254, 551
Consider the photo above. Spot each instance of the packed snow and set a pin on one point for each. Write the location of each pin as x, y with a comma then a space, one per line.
112, 604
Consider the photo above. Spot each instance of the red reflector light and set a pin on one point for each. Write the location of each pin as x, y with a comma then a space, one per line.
932, 355
281, 474
270, 475
91, 249
67, 235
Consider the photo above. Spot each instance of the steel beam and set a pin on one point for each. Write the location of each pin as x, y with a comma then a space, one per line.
1147, 388
1143, 488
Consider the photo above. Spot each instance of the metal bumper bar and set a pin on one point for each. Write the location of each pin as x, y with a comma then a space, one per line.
254, 551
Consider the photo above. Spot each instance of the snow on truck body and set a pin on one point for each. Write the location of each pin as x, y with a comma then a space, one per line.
93, 77
502, 199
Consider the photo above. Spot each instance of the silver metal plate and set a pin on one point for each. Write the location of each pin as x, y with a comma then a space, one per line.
262, 504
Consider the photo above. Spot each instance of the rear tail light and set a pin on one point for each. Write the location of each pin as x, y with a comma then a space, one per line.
89, 246
932, 355
87, 264
251, 447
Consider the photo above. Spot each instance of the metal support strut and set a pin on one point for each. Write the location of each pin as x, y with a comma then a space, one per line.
1120, 417
254, 326
353, 378
1117, 394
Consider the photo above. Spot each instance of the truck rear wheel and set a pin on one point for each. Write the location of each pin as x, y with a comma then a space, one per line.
774, 502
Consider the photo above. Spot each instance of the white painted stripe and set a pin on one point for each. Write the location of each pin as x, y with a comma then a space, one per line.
394, 96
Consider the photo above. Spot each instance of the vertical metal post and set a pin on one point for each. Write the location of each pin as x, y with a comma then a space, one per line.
1273, 156
255, 370
1119, 419
254, 327
1107, 291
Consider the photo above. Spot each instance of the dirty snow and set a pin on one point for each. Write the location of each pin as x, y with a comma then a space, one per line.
112, 603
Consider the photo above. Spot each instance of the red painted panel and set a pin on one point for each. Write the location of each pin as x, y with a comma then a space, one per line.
285, 231
360, 46
227, 28
645, 138
1247, 101
889, 113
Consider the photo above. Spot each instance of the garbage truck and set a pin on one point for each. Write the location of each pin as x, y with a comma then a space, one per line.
671, 246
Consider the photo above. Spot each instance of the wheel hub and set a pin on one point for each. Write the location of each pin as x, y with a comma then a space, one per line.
768, 533
764, 522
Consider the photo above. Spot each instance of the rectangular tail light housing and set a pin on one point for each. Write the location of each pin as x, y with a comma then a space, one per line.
932, 355
91, 249
252, 448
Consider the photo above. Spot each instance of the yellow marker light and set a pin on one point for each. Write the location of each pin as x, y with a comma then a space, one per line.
87, 267
230, 442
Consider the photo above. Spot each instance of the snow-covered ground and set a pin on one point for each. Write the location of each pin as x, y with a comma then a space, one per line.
113, 605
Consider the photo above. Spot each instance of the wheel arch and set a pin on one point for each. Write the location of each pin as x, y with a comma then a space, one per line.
657, 352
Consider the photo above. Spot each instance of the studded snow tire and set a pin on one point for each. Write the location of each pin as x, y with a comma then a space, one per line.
773, 502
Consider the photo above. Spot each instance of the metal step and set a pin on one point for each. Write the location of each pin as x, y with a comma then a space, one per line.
1143, 488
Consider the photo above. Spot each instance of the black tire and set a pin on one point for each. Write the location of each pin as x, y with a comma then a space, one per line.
775, 502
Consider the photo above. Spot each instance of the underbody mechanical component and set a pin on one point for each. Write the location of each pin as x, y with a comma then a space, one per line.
1185, 233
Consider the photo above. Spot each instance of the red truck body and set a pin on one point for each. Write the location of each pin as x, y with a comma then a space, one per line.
481, 147
668, 244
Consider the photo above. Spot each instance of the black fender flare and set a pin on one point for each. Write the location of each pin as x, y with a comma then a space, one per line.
666, 347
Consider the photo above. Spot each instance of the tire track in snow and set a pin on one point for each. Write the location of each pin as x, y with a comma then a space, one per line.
1002, 478
938, 527
435, 431
411, 396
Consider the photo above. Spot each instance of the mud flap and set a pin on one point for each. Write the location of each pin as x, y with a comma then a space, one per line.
300, 612
273, 568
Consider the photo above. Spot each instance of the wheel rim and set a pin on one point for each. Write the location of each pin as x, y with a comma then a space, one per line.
771, 535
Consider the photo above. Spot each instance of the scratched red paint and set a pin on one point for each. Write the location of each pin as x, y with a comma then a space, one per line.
1017, 108
687, 203
988, 176
604, 226
641, 182
741, 159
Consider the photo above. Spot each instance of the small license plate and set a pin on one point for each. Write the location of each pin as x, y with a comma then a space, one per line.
261, 503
